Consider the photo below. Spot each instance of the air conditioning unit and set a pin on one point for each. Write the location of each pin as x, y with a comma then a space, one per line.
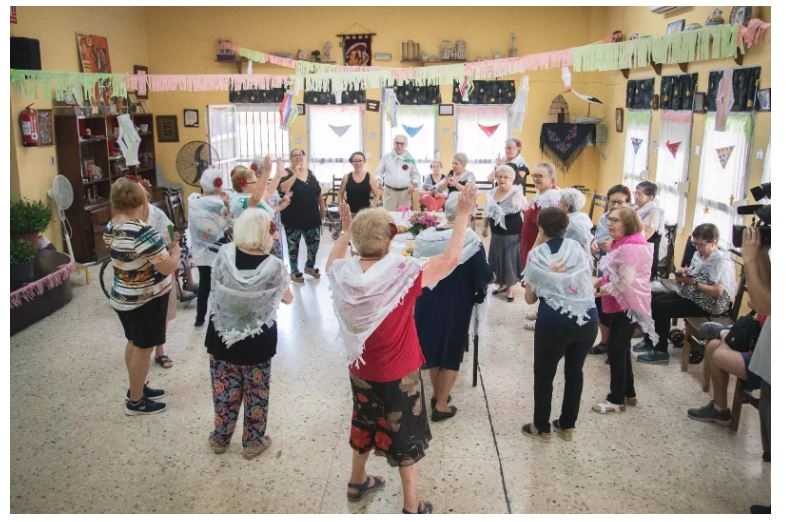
663, 9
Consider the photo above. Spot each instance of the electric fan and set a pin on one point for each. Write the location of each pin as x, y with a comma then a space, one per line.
63, 195
193, 159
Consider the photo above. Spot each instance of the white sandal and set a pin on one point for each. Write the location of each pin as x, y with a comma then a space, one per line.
531, 316
608, 407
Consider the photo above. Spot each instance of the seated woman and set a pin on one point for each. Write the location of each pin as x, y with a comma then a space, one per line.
442, 313
359, 188
248, 285
652, 218
707, 287
559, 275
433, 199
374, 295
458, 177
579, 229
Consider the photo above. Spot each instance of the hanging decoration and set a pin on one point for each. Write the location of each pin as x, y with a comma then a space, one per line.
563, 142
287, 111
357, 49
636, 142
519, 105
673, 147
389, 106
339, 130
411, 131
466, 86
566, 78
724, 100
488, 130
724, 153
745, 83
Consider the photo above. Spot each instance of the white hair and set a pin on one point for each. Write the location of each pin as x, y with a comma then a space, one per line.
207, 180
573, 198
252, 230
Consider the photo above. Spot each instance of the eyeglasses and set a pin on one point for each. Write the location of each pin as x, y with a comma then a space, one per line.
617, 202
538, 176
296, 156
358, 161
399, 143
614, 220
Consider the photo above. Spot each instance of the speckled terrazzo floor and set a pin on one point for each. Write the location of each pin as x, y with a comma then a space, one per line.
72, 449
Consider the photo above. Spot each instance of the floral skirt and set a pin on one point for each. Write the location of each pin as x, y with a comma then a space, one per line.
390, 417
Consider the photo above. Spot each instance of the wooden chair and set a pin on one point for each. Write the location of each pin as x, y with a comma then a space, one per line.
332, 218
666, 265
173, 198
741, 396
600, 201
484, 187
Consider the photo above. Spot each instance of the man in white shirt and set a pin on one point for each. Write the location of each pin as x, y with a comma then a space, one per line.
399, 173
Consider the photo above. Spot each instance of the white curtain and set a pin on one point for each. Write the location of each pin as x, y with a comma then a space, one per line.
673, 161
481, 146
334, 132
723, 172
419, 124
637, 147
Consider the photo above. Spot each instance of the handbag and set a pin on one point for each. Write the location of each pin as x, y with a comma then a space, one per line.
744, 333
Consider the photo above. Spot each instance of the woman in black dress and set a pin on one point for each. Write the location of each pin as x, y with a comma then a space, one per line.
359, 188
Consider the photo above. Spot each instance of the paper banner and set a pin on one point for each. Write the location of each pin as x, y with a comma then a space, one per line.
673, 147
724, 153
411, 131
340, 130
488, 129
636, 144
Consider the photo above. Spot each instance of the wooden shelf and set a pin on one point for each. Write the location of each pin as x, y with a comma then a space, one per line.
424, 63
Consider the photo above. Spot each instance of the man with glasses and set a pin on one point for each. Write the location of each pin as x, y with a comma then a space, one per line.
399, 173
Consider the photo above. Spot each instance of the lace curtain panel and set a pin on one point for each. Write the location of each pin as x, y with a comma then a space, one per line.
673, 161
637, 146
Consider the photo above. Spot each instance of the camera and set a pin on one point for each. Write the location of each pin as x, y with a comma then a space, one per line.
761, 211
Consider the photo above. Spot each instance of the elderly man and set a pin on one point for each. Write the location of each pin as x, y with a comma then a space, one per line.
399, 173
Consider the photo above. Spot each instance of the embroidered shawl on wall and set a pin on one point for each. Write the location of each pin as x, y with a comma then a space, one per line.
563, 142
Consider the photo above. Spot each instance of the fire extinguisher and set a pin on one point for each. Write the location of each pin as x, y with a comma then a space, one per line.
28, 121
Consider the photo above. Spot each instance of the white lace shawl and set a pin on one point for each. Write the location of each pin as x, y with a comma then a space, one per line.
717, 268
562, 279
433, 241
579, 228
511, 203
208, 218
547, 198
244, 301
362, 300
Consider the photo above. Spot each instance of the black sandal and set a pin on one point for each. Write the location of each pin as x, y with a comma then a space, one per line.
163, 360
424, 508
365, 488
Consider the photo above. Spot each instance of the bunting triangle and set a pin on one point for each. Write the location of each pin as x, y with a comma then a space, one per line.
724, 153
488, 129
636, 144
340, 130
411, 131
673, 147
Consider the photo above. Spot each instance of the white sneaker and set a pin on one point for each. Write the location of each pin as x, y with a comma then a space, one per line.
529, 325
531, 316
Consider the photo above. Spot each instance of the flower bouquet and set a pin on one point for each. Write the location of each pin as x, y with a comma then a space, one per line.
421, 220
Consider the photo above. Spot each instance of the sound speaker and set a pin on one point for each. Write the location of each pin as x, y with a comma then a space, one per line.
25, 53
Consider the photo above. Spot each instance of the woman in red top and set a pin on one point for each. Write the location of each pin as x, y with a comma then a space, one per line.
374, 296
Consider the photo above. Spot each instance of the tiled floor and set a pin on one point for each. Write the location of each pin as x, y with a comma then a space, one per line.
73, 450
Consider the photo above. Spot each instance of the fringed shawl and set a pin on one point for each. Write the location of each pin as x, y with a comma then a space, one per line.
433, 241
511, 203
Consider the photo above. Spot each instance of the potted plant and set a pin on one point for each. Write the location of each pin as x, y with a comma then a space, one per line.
28, 219
22, 254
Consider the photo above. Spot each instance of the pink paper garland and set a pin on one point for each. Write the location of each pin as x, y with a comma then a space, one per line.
30, 291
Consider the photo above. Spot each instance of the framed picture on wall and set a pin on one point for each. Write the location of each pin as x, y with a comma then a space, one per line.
763, 100
676, 26
446, 109
46, 133
740, 15
166, 128
190, 118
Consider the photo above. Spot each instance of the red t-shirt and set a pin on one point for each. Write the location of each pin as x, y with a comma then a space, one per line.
529, 232
393, 349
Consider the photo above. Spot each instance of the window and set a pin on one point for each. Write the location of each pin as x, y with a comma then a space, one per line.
481, 131
242, 132
637, 147
673, 161
334, 132
419, 124
722, 175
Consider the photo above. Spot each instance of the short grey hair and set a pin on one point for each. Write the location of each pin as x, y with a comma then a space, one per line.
252, 230
461, 158
547, 166
572, 198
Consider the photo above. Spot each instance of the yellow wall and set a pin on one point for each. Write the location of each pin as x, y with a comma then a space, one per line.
182, 40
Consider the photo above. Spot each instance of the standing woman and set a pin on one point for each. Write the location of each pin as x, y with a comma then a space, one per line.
262, 168
303, 217
503, 210
571, 200
443, 313
374, 296
559, 274
248, 285
208, 225
514, 159
142, 260
625, 293
250, 192
433, 199
359, 188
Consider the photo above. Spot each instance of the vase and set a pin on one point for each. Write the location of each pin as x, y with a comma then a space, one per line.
415, 230
22, 273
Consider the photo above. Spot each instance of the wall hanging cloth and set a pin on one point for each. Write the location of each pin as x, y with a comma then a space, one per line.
744, 84
497, 92
672, 165
407, 93
676, 92
30, 291
639, 94
331, 98
563, 142
257, 95
357, 49
637, 136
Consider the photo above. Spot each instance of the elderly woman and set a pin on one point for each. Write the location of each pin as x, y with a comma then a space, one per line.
303, 217
617, 196
442, 313
209, 223
559, 274
625, 291
254, 191
248, 285
262, 167
707, 287
359, 188
514, 159
142, 261
503, 210
458, 177
652, 218
571, 200
374, 296
433, 199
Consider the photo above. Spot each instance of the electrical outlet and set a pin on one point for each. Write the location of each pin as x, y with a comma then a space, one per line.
759, 153
697, 151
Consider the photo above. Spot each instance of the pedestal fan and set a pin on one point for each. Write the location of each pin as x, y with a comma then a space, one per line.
193, 159
63, 195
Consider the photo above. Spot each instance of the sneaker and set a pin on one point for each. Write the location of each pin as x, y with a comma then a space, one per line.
150, 393
313, 272
708, 413
711, 330
654, 357
598, 349
529, 325
566, 433
531, 316
144, 407
215, 446
296, 277
642, 346
249, 452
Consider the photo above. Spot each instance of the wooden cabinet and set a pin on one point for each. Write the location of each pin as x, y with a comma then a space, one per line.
89, 156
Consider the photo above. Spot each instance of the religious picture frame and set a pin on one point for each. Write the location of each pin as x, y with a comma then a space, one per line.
142, 91
190, 118
46, 132
446, 109
676, 26
619, 118
740, 15
166, 129
763, 100
699, 99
